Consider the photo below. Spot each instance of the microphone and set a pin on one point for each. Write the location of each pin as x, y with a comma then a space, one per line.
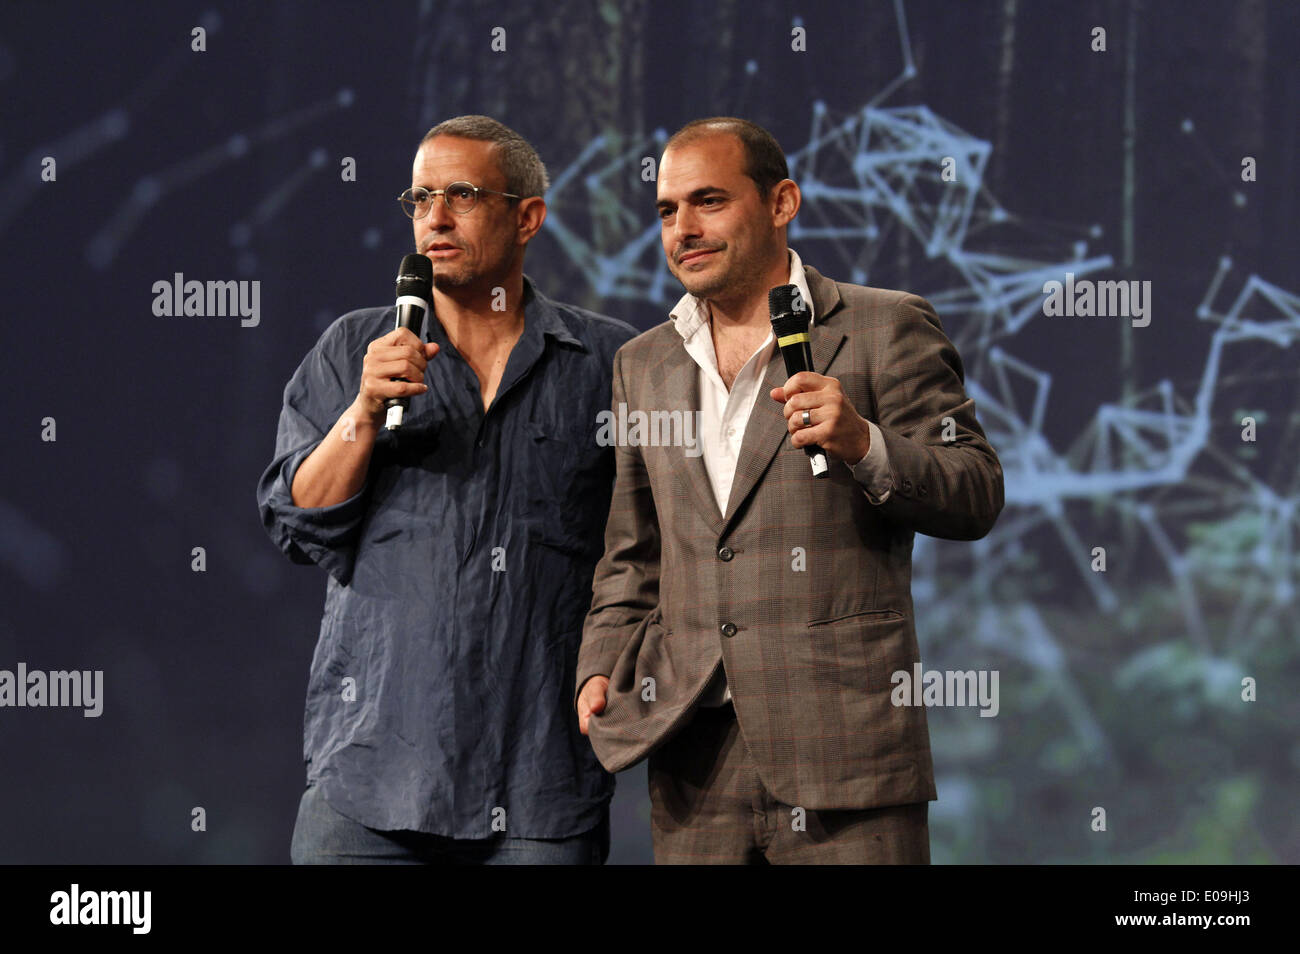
790, 325
414, 301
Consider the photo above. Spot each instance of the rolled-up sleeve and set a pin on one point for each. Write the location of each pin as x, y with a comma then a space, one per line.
315, 397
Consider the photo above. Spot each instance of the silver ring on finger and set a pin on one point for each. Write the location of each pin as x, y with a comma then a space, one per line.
807, 418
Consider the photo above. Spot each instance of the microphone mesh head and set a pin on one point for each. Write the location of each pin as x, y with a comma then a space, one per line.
780, 300
780, 305
415, 277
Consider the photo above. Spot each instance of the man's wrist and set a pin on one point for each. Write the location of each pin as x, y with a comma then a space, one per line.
864, 444
362, 419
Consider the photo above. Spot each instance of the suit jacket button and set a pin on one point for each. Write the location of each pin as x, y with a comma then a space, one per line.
922, 490
725, 554
728, 629
907, 485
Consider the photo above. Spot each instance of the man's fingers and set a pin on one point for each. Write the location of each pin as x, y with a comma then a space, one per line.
814, 434
591, 701
586, 709
385, 389
803, 381
794, 420
400, 366
404, 336
799, 402
398, 352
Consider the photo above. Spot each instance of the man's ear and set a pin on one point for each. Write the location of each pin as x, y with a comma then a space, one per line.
529, 218
786, 199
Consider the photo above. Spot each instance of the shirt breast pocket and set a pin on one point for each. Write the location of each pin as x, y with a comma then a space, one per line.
568, 483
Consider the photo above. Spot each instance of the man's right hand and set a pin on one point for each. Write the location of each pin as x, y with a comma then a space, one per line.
591, 701
398, 354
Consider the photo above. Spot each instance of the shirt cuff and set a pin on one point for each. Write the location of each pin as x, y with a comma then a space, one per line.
872, 472
321, 535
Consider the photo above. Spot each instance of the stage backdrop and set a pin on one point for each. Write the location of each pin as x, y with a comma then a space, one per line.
1137, 598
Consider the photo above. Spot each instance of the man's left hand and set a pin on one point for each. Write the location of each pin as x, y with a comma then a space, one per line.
836, 427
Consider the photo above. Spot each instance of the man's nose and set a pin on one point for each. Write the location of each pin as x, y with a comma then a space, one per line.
686, 224
440, 218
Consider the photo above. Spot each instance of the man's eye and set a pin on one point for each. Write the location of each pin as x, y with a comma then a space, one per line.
710, 200
665, 213
462, 193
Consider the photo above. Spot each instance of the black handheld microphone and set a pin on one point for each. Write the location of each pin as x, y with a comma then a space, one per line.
790, 325
414, 301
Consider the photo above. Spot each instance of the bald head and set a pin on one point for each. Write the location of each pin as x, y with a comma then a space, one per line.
764, 161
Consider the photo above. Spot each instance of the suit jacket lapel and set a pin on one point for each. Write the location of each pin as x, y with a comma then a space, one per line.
767, 429
675, 385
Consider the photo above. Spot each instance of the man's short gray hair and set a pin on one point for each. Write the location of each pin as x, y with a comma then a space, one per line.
522, 167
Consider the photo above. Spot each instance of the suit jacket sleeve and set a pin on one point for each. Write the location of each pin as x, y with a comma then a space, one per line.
947, 479
872, 472
626, 584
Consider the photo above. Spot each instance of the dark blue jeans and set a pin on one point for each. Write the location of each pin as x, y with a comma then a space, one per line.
325, 836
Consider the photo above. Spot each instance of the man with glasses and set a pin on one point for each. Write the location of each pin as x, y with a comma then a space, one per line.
460, 548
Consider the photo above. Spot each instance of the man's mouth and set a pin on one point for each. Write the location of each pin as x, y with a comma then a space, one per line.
441, 249
695, 255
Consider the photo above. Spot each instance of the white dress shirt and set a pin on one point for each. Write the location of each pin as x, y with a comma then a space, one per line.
724, 415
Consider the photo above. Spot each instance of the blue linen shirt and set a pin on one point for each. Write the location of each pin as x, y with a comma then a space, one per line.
440, 694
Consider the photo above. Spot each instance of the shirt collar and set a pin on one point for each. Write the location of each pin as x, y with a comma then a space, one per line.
541, 317
542, 311
690, 314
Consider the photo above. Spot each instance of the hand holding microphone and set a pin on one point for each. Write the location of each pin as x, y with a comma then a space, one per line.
391, 371
393, 368
818, 415
414, 302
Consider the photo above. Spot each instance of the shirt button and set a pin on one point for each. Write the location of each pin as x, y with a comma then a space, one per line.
725, 554
728, 629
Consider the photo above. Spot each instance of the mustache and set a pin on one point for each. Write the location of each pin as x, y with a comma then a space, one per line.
696, 246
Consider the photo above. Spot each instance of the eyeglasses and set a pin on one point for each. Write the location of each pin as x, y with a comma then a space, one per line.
459, 196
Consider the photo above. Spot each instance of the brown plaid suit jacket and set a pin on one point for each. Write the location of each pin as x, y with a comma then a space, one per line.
808, 652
